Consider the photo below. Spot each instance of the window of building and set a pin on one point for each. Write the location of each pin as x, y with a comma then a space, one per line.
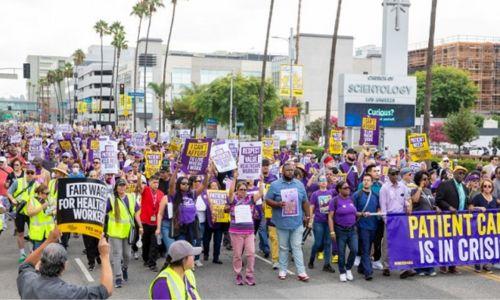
208, 76
150, 60
181, 78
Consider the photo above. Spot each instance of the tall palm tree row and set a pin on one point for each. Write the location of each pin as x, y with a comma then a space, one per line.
50, 82
120, 44
115, 28
59, 77
78, 58
152, 7
162, 110
263, 75
101, 28
326, 133
139, 10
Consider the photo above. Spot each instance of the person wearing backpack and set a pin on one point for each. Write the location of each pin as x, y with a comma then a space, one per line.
366, 203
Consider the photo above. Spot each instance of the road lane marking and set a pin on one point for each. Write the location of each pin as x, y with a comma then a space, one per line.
84, 270
271, 263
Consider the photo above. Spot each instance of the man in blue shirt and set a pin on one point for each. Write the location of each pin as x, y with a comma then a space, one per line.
288, 199
366, 202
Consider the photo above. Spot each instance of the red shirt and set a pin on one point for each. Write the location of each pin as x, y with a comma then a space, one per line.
149, 205
4, 172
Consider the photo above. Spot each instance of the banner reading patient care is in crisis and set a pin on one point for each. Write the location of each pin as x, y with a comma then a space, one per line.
426, 239
81, 206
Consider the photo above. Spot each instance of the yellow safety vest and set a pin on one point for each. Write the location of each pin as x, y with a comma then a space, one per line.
121, 228
176, 285
22, 193
53, 192
41, 224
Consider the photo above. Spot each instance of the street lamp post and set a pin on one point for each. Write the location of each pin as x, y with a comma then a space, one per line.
231, 106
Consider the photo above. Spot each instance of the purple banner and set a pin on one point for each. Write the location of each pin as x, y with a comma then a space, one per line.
427, 239
370, 131
195, 156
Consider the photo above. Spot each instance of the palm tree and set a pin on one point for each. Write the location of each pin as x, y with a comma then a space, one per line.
67, 74
119, 43
78, 58
326, 133
160, 90
298, 33
428, 68
51, 81
59, 77
115, 28
138, 10
41, 86
263, 75
101, 27
152, 7
174, 5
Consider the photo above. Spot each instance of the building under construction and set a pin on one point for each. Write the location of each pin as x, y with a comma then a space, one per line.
480, 56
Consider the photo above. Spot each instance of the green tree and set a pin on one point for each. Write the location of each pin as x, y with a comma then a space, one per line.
139, 10
214, 102
120, 43
78, 58
495, 142
114, 30
451, 89
461, 128
184, 108
68, 74
478, 120
160, 89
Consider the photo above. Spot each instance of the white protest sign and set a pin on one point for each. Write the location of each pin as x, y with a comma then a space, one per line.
233, 146
139, 140
108, 151
250, 160
222, 158
184, 134
165, 137
16, 138
35, 149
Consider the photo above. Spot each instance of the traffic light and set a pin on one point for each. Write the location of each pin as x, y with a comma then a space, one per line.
9, 107
122, 89
26, 71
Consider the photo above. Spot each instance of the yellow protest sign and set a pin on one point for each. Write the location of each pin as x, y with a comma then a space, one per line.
217, 201
175, 144
336, 141
419, 147
153, 162
268, 148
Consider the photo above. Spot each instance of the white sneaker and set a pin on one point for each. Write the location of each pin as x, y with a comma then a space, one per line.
343, 277
136, 255
276, 266
377, 265
198, 263
349, 276
357, 260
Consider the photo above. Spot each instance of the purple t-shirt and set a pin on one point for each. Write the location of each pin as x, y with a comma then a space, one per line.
187, 209
321, 201
241, 228
345, 211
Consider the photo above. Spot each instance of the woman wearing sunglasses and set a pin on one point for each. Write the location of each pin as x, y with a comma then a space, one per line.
483, 202
342, 225
41, 216
241, 229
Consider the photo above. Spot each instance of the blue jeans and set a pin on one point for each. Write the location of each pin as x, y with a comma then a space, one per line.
263, 239
37, 244
293, 238
323, 241
198, 242
426, 271
165, 231
366, 238
346, 237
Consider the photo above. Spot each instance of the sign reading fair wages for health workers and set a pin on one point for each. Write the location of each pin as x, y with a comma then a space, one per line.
81, 206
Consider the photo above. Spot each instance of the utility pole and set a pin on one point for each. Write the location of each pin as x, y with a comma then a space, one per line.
231, 105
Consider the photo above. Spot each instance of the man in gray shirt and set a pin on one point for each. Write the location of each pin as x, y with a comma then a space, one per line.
50, 261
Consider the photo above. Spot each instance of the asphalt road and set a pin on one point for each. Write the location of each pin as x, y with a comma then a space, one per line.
216, 281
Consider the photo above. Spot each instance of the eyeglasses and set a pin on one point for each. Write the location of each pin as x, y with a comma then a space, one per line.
197, 180
425, 178
244, 190
394, 173
184, 183
45, 193
96, 162
30, 172
17, 165
446, 161
345, 188
487, 186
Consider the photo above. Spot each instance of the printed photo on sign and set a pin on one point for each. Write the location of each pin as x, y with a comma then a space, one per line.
291, 199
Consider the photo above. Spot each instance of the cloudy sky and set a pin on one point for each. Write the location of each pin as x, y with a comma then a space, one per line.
58, 27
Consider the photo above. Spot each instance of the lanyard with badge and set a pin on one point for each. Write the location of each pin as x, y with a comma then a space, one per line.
154, 197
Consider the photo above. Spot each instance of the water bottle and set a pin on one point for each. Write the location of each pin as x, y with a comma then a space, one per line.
158, 239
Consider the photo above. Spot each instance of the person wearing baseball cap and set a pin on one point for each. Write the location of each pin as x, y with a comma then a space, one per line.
177, 280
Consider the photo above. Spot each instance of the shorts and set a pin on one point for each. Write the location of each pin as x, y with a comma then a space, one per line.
20, 221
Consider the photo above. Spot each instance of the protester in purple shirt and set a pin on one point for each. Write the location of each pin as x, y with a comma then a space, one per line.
342, 225
348, 167
319, 205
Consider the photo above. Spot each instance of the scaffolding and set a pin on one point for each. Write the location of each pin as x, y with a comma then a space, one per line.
479, 56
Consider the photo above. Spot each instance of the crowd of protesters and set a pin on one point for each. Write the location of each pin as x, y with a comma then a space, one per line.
343, 201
